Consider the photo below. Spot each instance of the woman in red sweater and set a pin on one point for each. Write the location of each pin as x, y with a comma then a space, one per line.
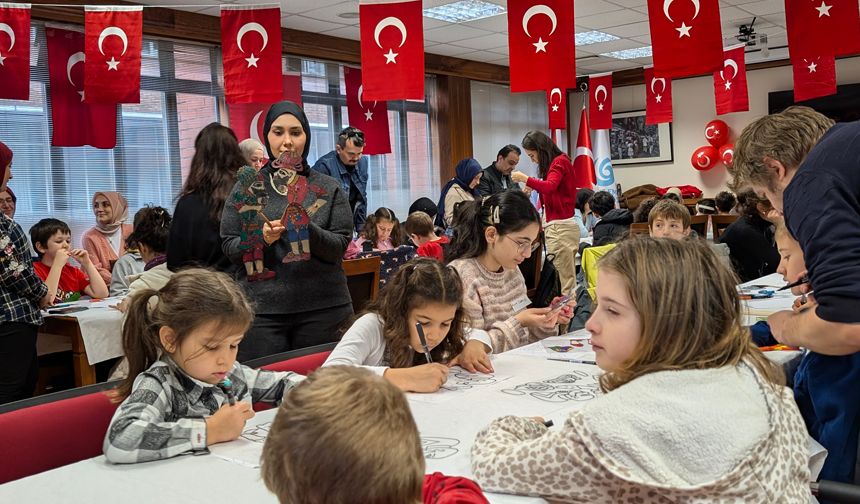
557, 189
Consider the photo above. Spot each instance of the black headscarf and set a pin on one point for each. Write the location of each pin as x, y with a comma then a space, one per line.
279, 109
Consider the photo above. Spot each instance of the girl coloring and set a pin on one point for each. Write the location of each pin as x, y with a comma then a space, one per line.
692, 411
381, 232
181, 342
386, 341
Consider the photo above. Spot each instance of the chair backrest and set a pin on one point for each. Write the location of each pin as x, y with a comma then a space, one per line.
53, 430
362, 280
720, 223
639, 228
589, 264
699, 224
303, 361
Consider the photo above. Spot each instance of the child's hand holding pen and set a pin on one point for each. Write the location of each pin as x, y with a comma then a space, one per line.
227, 423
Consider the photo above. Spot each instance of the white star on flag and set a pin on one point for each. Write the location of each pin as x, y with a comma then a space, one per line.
2, 59
540, 46
823, 9
728, 85
252, 61
812, 67
555, 108
684, 30
391, 57
368, 115
659, 98
112, 64
599, 106
82, 95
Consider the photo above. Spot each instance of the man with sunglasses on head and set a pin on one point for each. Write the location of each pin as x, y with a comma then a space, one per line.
347, 165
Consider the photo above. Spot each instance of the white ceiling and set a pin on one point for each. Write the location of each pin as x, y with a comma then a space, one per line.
487, 40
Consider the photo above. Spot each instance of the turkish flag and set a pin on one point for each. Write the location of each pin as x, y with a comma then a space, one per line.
658, 98
556, 102
541, 44
371, 117
15, 51
600, 101
251, 48
822, 28
814, 77
686, 37
246, 119
583, 159
113, 41
75, 122
730, 83
392, 49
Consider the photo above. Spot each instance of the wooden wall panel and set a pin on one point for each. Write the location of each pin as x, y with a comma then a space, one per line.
454, 119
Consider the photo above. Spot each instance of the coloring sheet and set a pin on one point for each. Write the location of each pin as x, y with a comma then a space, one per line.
574, 347
246, 450
459, 381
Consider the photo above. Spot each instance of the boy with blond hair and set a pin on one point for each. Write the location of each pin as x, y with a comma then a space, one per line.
345, 435
669, 219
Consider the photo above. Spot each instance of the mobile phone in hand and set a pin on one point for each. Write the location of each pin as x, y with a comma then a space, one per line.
558, 304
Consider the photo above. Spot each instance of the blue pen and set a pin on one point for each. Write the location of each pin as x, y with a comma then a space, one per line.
227, 387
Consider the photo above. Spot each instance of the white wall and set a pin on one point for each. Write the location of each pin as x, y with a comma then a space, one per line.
693, 103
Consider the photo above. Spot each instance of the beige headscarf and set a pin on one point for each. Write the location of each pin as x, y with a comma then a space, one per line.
120, 211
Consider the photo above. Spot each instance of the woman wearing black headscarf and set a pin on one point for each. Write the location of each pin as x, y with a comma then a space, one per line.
300, 291
463, 187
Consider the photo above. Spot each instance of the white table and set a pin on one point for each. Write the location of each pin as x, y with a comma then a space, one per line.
448, 423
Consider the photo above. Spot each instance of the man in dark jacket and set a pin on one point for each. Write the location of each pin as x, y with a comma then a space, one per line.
613, 223
497, 176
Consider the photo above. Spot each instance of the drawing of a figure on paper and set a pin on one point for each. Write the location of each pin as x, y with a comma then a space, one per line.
563, 388
439, 447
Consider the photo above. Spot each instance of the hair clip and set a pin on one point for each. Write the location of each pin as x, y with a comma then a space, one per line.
152, 303
494, 213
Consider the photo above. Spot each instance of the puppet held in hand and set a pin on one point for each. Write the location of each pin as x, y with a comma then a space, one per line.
249, 201
303, 200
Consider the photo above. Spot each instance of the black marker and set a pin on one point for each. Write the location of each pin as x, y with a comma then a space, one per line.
548, 423
804, 279
423, 341
227, 387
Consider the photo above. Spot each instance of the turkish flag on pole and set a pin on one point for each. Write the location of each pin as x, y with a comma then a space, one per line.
371, 117
541, 44
658, 98
822, 28
730, 83
686, 37
583, 159
600, 101
15, 51
75, 122
246, 119
251, 45
392, 49
113, 41
814, 77
556, 101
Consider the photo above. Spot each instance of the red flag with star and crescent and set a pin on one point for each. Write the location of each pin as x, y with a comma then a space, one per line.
814, 77
822, 28
75, 123
15, 51
658, 98
686, 37
541, 45
392, 49
583, 158
556, 102
247, 119
600, 101
251, 47
730, 83
370, 116
113, 42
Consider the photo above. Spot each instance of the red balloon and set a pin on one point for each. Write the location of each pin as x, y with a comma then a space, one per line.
717, 133
727, 154
705, 157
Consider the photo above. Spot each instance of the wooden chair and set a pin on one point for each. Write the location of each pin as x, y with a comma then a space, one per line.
362, 280
720, 223
699, 224
638, 228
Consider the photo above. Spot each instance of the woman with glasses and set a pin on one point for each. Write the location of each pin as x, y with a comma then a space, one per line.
491, 239
381, 232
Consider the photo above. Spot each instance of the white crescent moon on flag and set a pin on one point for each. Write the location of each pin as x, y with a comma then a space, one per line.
74, 59
113, 30
390, 21
729, 63
249, 27
661, 80
705, 157
555, 91
709, 132
360, 92
534, 10
597, 93
255, 126
668, 3
8, 29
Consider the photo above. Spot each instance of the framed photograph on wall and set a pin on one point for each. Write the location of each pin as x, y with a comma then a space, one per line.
631, 141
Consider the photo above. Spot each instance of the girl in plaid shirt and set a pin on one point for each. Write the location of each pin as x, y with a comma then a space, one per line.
181, 343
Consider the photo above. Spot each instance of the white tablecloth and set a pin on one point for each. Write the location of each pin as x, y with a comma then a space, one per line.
101, 329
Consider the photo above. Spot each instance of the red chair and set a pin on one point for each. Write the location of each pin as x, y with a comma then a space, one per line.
303, 361
53, 430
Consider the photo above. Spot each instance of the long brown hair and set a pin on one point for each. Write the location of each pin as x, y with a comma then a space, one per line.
689, 307
191, 298
382, 213
547, 150
418, 282
217, 157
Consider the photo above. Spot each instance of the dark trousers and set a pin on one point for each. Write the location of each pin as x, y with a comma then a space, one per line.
276, 333
18, 366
